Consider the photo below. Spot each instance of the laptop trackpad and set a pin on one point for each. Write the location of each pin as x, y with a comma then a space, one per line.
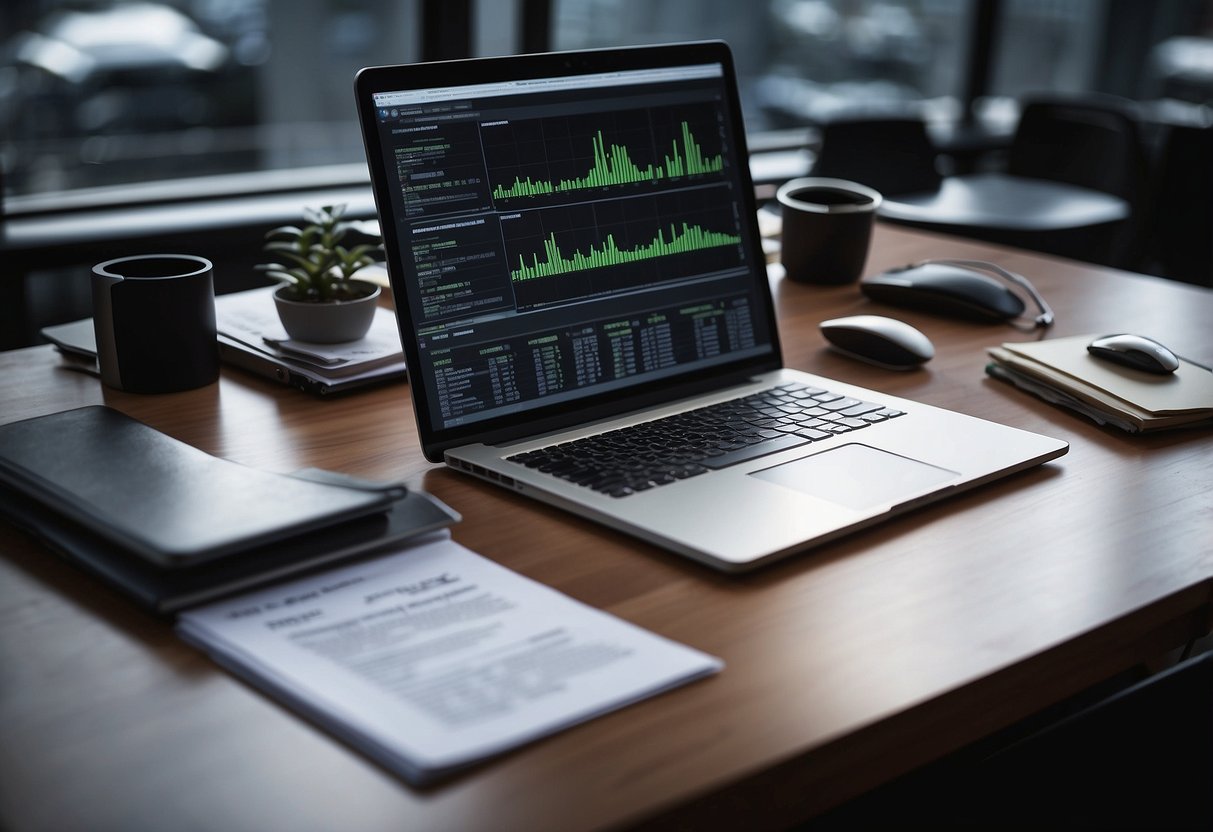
857, 476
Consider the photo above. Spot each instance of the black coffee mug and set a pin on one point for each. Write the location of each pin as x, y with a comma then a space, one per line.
154, 318
827, 229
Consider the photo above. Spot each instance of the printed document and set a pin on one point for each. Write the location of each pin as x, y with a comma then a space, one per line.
249, 319
433, 658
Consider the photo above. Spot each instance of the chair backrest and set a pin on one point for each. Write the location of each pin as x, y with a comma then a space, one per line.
1181, 238
1090, 141
893, 155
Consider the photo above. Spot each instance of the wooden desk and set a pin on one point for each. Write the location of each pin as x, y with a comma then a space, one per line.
845, 667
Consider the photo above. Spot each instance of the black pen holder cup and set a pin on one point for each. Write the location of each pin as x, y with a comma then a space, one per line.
827, 229
154, 319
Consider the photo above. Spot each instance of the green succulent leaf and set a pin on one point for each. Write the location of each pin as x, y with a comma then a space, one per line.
312, 257
280, 245
282, 276
288, 231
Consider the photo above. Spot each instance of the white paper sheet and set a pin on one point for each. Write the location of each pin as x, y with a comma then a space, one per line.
433, 658
249, 317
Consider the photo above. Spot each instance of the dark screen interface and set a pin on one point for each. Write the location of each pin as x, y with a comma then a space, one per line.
566, 237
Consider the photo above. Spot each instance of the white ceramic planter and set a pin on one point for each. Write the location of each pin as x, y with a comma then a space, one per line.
328, 323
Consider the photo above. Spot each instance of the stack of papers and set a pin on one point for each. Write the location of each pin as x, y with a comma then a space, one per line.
1061, 371
137, 508
251, 337
434, 658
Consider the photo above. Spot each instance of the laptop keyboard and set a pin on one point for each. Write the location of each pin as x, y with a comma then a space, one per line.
636, 458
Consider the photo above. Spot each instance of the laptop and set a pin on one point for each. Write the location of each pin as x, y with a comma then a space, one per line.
585, 310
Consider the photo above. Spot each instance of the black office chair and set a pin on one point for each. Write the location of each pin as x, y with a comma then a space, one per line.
1073, 185
1094, 142
893, 155
1180, 242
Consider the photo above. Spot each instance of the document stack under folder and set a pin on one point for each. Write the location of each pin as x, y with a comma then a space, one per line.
251, 337
1061, 371
173, 527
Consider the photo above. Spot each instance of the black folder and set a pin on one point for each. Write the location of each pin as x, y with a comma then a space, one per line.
173, 526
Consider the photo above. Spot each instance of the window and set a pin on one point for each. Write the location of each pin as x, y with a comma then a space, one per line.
125, 91
122, 92
798, 61
233, 113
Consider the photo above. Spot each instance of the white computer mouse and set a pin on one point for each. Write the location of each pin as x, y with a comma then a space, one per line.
1136, 351
885, 342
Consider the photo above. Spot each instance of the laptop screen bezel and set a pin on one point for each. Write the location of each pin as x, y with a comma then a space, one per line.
385, 79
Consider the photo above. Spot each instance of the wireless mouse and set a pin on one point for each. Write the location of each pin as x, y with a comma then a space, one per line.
944, 289
1135, 351
885, 342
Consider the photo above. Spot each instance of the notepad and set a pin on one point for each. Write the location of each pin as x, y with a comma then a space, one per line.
1062, 371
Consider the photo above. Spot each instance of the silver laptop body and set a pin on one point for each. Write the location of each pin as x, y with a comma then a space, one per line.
573, 250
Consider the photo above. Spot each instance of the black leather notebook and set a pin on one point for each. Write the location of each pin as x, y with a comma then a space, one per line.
158, 497
164, 591
172, 526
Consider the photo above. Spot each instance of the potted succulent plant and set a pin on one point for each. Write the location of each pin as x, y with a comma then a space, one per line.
319, 300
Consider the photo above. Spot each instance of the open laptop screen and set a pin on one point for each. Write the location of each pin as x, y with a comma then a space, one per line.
570, 236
